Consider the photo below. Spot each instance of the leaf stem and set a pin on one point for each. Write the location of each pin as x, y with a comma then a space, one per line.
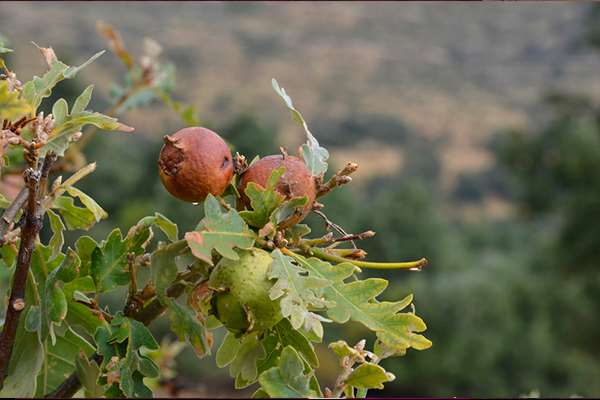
411, 265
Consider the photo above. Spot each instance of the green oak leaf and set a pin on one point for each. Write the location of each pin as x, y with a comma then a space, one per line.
85, 246
75, 217
242, 358
286, 209
139, 234
80, 314
163, 265
221, 231
109, 263
88, 202
369, 376
315, 157
54, 302
57, 240
299, 292
187, 327
288, 336
61, 134
297, 232
60, 110
228, 350
12, 105
82, 101
88, 373
287, 379
130, 341
263, 200
26, 361
356, 300
39, 88
60, 360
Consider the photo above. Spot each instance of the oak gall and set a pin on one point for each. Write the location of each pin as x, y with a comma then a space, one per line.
194, 162
295, 182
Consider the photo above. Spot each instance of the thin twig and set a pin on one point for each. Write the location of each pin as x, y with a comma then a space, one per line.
330, 224
35, 180
11, 212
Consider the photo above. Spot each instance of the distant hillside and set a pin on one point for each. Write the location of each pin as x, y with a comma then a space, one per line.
451, 71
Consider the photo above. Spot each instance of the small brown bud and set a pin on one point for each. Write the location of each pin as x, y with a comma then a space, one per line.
76, 136
350, 168
18, 304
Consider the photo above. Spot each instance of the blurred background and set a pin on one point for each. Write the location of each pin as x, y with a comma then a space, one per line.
477, 132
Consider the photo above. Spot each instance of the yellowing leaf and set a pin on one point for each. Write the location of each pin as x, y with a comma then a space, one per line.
369, 376
12, 106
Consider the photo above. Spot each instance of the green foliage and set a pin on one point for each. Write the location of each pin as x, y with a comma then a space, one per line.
60, 359
123, 345
287, 379
221, 231
68, 124
298, 291
356, 301
109, 263
263, 200
235, 268
39, 88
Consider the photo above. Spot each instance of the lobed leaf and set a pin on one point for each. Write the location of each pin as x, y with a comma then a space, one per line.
109, 263
263, 201
142, 229
88, 373
61, 135
130, 341
39, 88
369, 376
288, 378
342, 349
299, 292
288, 336
75, 217
221, 231
356, 301
187, 327
163, 265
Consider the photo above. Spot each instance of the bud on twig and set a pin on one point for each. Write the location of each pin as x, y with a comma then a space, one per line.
18, 304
